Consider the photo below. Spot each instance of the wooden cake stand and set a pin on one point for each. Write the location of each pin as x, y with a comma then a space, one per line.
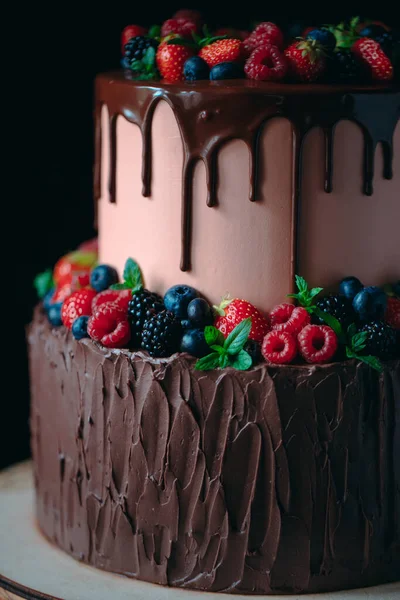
31, 568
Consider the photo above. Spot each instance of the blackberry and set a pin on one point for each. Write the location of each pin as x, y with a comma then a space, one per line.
343, 67
162, 334
385, 40
381, 341
141, 307
254, 349
338, 306
137, 46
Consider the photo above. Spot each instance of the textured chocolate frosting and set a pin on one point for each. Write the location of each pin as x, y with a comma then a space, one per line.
275, 480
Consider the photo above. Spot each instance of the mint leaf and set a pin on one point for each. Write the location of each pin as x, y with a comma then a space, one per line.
154, 31
132, 276
149, 57
358, 341
350, 353
315, 291
351, 330
213, 336
223, 360
301, 284
305, 297
136, 65
242, 361
219, 349
43, 283
211, 361
120, 286
238, 337
372, 361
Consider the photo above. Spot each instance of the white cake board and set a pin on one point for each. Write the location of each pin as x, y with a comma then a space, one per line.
31, 568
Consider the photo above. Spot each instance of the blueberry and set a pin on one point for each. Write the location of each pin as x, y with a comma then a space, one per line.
396, 288
227, 70
79, 327
196, 68
177, 298
48, 298
370, 303
54, 314
125, 63
199, 312
372, 31
193, 343
350, 286
324, 37
186, 324
102, 277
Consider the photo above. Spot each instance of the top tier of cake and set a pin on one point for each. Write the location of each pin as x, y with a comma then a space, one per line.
235, 186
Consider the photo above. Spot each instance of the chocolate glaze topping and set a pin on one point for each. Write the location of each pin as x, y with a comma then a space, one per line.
211, 113
275, 480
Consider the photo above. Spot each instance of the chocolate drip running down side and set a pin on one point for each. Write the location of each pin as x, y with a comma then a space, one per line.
209, 114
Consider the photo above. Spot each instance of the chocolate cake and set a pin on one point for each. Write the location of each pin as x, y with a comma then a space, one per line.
254, 448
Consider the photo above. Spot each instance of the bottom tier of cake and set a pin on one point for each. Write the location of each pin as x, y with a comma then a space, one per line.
273, 480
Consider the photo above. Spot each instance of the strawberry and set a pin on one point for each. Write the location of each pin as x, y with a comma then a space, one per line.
279, 347
129, 32
266, 63
375, 62
62, 292
392, 315
184, 27
228, 50
170, 59
233, 312
109, 325
289, 318
72, 283
77, 304
264, 33
317, 343
120, 297
73, 263
306, 60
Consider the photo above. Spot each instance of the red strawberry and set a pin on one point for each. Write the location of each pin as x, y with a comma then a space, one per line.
392, 316
370, 54
289, 318
229, 50
279, 347
184, 27
265, 33
62, 292
119, 297
170, 60
306, 60
190, 15
130, 32
76, 305
230, 32
232, 312
73, 263
109, 325
266, 63
317, 343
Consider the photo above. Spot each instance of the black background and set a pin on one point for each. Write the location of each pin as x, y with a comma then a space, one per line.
54, 54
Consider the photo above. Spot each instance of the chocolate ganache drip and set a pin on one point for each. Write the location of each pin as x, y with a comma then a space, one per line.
210, 114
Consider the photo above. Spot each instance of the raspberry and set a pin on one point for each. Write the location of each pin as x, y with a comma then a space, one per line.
317, 343
109, 325
266, 63
279, 347
119, 297
77, 304
183, 26
287, 317
265, 33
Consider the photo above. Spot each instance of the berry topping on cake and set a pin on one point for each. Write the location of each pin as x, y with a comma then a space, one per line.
195, 68
73, 263
265, 33
373, 59
136, 48
120, 297
162, 334
232, 312
349, 287
141, 307
289, 318
266, 63
228, 50
381, 340
109, 325
182, 26
129, 32
392, 314
102, 277
317, 343
62, 292
177, 298
79, 327
77, 304
325, 37
343, 67
48, 299
189, 14
306, 60
54, 314
227, 70
339, 307
171, 58
194, 343
199, 313
254, 350
370, 304
279, 347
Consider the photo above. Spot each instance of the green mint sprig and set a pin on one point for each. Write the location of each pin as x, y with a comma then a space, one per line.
132, 278
43, 283
356, 344
145, 69
155, 32
305, 297
227, 352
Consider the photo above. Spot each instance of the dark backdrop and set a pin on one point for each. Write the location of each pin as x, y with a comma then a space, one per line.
54, 55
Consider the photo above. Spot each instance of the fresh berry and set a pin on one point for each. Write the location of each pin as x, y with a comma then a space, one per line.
129, 32
48, 299
73, 263
77, 304
226, 70
373, 59
317, 343
388, 40
279, 347
177, 298
62, 292
392, 314
54, 314
171, 59
186, 324
372, 31
194, 343
79, 327
254, 349
381, 341
162, 334
195, 68
190, 15
370, 303
306, 60
289, 318
109, 325
324, 37
231, 32
339, 307
184, 27
349, 287
233, 312
141, 307
222, 51
199, 313
111, 296
266, 63
102, 277
265, 33
136, 48
343, 67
